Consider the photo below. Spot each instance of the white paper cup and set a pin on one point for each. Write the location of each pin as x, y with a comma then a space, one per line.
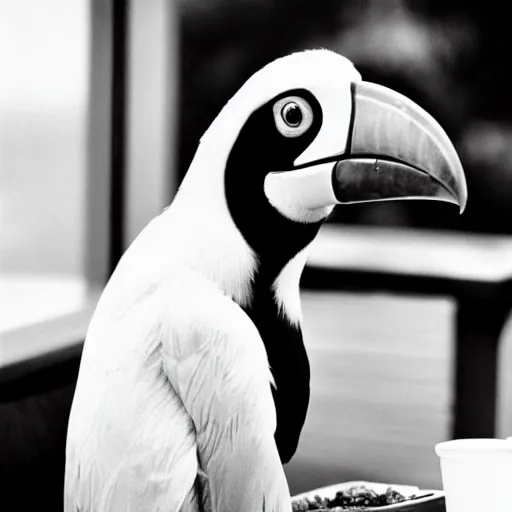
476, 474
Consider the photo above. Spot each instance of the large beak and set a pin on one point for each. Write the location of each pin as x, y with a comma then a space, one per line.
395, 150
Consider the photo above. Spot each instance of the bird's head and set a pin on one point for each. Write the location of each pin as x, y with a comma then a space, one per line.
304, 134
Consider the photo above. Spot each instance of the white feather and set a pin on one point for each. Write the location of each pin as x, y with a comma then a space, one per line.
286, 288
130, 443
180, 369
217, 362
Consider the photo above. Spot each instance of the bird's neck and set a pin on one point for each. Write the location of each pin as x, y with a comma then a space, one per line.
208, 243
206, 239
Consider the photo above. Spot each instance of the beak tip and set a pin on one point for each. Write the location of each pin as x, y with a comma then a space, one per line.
458, 186
463, 195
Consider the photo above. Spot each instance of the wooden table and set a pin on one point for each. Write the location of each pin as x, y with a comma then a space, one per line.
475, 270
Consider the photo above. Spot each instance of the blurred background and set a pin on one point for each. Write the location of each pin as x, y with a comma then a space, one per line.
84, 165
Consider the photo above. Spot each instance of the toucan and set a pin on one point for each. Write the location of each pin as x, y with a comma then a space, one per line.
194, 381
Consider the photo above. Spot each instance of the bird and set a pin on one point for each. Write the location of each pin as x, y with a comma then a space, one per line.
194, 380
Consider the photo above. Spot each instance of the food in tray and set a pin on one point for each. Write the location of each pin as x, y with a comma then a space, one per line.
353, 498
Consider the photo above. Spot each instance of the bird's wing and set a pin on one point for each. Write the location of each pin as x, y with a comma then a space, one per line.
214, 357
131, 445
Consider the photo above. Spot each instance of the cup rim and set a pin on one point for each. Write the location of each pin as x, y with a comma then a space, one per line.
474, 446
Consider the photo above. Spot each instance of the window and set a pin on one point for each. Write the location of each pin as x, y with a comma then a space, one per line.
86, 146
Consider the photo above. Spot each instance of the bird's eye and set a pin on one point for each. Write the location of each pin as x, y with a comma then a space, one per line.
293, 116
